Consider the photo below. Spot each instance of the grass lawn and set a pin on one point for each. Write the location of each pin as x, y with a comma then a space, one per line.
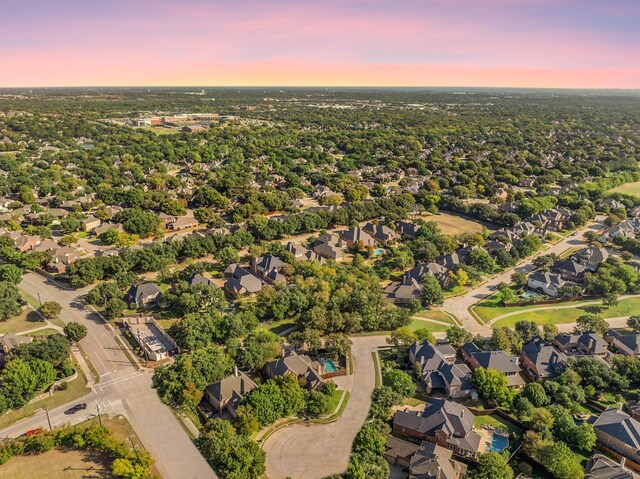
43, 333
433, 327
334, 400
413, 402
496, 422
277, 327
454, 225
77, 388
26, 320
436, 315
628, 188
626, 307
456, 290
59, 464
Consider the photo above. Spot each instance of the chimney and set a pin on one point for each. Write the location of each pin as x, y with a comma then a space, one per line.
462, 413
235, 371
623, 461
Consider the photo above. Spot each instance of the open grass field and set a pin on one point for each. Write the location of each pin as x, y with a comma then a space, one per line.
26, 320
435, 315
626, 307
58, 464
277, 327
628, 189
454, 225
429, 326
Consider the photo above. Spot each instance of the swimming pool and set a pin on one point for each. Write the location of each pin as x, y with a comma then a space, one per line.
329, 366
378, 251
499, 443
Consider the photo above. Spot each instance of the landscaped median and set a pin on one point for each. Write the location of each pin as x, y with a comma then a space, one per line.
559, 313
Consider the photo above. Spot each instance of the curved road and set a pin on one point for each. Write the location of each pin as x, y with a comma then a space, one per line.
313, 451
459, 305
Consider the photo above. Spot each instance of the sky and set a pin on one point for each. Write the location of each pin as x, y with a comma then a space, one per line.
490, 43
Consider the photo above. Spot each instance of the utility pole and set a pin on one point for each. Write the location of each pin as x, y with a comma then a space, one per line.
48, 420
39, 299
99, 418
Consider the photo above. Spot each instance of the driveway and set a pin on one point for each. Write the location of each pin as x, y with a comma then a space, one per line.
313, 451
459, 305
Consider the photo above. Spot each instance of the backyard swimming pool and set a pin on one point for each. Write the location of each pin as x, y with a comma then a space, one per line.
499, 443
329, 366
378, 251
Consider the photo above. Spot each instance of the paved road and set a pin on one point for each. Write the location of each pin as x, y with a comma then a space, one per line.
313, 451
459, 306
121, 389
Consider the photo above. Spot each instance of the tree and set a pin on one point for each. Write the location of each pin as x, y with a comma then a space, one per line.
230, 454
338, 345
267, 403
400, 382
536, 394
519, 279
458, 336
506, 339
549, 331
75, 332
317, 403
492, 465
493, 386
50, 309
634, 322
10, 273
609, 300
114, 308
10, 300
431, 291
369, 439
18, 383
246, 421
227, 256
527, 329
591, 322
560, 461
259, 347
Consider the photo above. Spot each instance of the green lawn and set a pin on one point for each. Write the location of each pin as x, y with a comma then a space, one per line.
628, 189
435, 315
43, 333
433, 327
626, 307
334, 400
27, 319
496, 422
277, 327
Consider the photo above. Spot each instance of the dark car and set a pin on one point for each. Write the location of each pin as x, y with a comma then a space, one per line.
76, 408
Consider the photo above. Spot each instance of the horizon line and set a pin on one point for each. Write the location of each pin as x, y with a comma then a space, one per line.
326, 86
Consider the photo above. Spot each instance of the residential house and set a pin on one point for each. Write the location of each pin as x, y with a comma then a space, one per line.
381, 233
407, 229
241, 282
196, 279
302, 253
438, 371
329, 247
144, 295
299, 365
540, 360
104, 227
440, 272
591, 257
451, 261
546, 282
498, 360
445, 423
90, 223
26, 243
404, 292
358, 238
586, 343
569, 269
424, 461
600, 466
269, 268
623, 342
618, 431
183, 223
227, 393
8, 341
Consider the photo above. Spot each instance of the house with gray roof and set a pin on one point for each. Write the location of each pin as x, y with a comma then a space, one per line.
407, 229
569, 269
540, 360
438, 271
302, 253
269, 268
438, 370
144, 295
587, 343
435, 462
403, 292
357, 237
623, 342
600, 466
498, 360
380, 232
445, 423
300, 366
618, 431
241, 282
227, 393
546, 282
329, 247
8, 341
196, 279
591, 257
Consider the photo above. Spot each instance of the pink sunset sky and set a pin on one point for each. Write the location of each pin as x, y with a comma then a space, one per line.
510, 43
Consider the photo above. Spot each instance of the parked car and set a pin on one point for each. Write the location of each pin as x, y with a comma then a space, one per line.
76, 408
31, 432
